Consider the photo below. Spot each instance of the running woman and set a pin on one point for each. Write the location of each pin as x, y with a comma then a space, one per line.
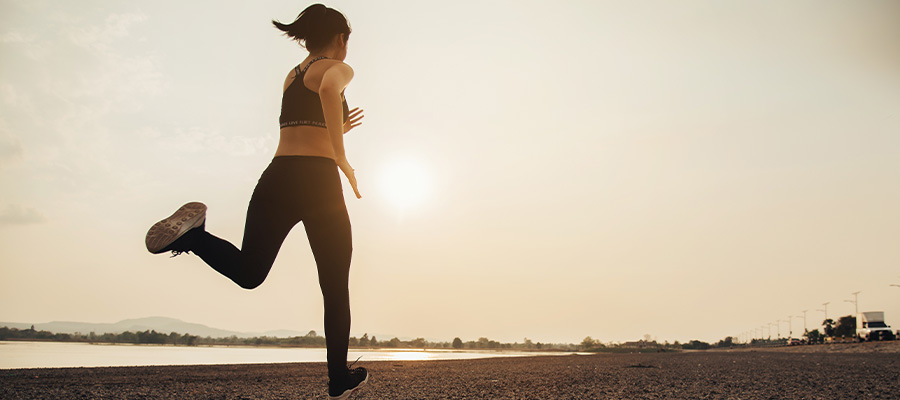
301, 183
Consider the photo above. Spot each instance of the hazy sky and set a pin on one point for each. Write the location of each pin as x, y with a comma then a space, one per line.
539, 169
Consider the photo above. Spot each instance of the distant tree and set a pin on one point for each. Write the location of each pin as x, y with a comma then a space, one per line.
311, 334
813, 336
727, 342
417, 343
589, 343
394, 343
151, 337
127, 337
695, 345
829, 327
457, 343
373, 342
364, 340
846, 326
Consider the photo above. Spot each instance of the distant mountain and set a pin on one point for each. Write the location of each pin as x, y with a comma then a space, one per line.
159, 324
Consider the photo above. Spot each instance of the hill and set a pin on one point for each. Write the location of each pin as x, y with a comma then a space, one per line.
159, 324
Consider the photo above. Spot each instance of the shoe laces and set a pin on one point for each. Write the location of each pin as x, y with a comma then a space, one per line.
176, 253
352, 364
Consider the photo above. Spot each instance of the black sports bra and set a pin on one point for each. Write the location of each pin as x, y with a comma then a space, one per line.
301, 106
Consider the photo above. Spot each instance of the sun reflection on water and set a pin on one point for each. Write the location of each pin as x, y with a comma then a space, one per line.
409, 356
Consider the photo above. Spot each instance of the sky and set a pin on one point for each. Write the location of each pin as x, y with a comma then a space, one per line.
529, 169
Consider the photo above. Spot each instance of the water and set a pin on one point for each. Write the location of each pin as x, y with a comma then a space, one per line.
58, 354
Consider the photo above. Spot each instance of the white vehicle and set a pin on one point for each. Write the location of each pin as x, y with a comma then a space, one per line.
870, 326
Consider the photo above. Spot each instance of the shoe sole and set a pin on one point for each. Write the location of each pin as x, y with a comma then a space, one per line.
348, 392
163, 233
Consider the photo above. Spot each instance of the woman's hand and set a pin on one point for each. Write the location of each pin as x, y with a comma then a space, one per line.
345, 167
355, 116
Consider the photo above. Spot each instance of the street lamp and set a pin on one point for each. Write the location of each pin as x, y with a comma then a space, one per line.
826, 309
804, 320
790, 326
855, 302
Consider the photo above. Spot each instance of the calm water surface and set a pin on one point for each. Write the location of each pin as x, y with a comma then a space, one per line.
57, 354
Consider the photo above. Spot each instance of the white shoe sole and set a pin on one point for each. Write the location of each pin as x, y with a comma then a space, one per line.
163, 233
348, 392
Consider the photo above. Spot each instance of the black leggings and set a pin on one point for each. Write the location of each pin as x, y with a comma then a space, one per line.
294, 189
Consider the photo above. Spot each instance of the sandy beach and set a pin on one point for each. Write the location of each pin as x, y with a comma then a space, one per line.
820, 372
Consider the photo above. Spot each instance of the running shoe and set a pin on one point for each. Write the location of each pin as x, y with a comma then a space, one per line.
163, 236
357, 378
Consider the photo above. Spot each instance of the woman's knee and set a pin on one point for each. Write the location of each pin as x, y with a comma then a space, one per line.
251, 282
250, 285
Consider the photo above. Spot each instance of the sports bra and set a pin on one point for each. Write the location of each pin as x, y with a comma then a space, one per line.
301, 106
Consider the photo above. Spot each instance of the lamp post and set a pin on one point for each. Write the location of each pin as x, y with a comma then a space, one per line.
790, 326
855, 302
804, 320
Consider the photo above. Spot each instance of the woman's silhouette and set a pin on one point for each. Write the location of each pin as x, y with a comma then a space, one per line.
301, 183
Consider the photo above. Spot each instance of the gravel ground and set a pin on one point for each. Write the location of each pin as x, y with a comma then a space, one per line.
687, 375
866, 347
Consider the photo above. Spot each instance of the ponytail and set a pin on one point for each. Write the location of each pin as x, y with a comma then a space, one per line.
315, 26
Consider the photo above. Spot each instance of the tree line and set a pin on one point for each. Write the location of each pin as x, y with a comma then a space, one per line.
311, 339
648, 345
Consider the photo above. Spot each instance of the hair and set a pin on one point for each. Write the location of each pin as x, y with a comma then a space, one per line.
315, 27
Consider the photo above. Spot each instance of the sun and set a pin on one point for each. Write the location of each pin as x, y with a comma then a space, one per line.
404, 183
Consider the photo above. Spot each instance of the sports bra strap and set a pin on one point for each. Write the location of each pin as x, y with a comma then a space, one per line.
311, 63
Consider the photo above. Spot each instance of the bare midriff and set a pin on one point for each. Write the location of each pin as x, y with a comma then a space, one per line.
304, 141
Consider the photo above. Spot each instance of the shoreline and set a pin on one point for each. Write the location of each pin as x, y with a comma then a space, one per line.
20, 355
720, 374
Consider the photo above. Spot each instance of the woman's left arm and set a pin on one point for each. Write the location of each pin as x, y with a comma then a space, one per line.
334, 81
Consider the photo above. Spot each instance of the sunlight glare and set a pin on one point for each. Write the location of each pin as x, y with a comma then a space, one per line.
404, 183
